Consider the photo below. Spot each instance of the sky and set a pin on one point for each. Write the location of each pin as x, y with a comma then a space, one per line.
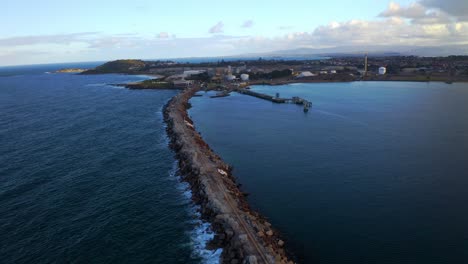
51, 31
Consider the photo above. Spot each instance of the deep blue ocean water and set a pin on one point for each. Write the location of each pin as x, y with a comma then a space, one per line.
86, 174
376, 172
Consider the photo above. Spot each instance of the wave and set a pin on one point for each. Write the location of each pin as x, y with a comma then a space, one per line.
96, 84
202, 233
107, 85
164, 139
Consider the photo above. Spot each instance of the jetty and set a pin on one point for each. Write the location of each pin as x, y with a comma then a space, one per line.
277, 99
244, 235
220, 94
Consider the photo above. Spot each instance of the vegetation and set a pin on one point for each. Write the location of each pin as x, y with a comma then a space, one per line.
271, 75
71, 70
151, 84
119, 66
204, 77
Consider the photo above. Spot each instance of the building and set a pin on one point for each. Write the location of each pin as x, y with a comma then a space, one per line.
382, 70
244, 77
230, 77
242, 68
305, 74
192, 72
182, 83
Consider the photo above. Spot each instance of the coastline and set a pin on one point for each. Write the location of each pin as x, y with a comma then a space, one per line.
294, 81
244, 235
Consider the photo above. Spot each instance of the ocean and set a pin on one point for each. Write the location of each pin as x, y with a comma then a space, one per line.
87, 176
375, 172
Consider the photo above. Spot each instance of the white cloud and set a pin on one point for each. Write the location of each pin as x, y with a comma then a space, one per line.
63, 39
456, 8
163, 35
248, 24
393, 31
423, 23
285, 27
218, 28
417, 13
415, 10
111, 42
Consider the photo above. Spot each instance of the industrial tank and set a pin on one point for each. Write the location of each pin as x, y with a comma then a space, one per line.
244, 77
382, 70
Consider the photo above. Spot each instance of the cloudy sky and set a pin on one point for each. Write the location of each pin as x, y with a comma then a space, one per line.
50, 31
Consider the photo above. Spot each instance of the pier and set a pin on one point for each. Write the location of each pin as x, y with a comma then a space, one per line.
277, 99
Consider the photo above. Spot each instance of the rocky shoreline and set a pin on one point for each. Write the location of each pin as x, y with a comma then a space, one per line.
243, 234
71, 70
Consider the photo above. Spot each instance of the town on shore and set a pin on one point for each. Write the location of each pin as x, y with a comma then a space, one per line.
178, 75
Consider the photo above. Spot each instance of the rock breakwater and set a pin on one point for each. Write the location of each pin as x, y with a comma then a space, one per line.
244, 235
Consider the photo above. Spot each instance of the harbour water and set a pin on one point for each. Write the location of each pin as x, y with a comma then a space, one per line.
86, 174
375, 172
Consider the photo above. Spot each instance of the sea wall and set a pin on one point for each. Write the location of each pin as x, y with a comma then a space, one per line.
244, 235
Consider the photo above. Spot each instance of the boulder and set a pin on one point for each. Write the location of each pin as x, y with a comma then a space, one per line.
251, 260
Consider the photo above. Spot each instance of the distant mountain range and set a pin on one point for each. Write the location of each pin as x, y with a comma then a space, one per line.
371, 50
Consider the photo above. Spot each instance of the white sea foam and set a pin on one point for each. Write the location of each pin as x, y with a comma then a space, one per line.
202, 233
200, 237
104, 85
96, 84
164, 139
160, 114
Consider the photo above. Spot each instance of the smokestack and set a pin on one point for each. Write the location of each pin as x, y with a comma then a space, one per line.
365, 65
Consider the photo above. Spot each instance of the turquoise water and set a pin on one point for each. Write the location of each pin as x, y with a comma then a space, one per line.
87, 175
376, 172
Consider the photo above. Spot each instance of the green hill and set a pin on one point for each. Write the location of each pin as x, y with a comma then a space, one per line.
119, 66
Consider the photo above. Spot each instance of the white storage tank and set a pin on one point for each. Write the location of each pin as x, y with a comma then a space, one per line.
382, 70
230, 77
244, 77
305, 74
